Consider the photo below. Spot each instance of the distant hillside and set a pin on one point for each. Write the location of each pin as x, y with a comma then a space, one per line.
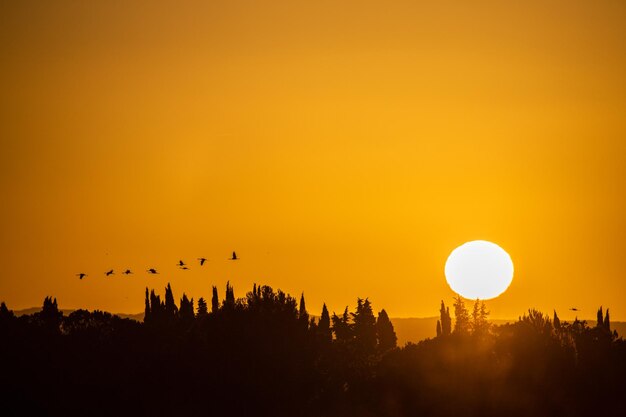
411, 329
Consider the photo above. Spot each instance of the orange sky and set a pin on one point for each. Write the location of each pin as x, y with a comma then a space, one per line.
343, 148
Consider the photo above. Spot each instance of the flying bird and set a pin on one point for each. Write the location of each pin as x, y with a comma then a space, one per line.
181, 263
152, 271
109, 273
81, 275
574, 309
127, 272
202, 261
234, 258
184, 267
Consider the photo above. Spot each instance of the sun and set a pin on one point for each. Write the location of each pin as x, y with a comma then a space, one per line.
479, 269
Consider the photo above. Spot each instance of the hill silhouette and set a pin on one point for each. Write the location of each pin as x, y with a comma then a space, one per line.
264, 354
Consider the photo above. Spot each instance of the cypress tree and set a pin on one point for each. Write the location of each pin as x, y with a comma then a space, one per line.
303, 316
446, 321
607, 321
438, 328
170, 305
156, 308
229, 302
557, 322
186, 309
599, 318
146, 316
215, 302
323, 327
385, 333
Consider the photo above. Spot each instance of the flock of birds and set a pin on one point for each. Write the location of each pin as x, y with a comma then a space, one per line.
181, 265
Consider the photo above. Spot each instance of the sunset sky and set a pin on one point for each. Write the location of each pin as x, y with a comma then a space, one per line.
342, 148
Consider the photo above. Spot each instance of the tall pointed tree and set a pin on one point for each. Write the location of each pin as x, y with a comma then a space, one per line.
146, 316
215, 301
303, 316
229, 301
607, 321
186, 313
170, 305
557, 322
438, 328
156, 308
446, 321
323, 327
600, 318
385, 333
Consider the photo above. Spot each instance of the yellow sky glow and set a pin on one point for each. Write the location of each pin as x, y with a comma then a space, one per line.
342, 149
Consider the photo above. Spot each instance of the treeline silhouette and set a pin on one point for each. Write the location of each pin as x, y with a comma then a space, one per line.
264, 355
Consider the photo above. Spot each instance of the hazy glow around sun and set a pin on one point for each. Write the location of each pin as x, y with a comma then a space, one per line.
479, 269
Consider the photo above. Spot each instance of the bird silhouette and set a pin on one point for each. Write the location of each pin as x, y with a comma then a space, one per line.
109, 273
202, 261
127, 272
152, 271
574, 309
181, 263
81, 275
184, 267
234, 258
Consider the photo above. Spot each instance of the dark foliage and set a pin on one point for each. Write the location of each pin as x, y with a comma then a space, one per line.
262, 355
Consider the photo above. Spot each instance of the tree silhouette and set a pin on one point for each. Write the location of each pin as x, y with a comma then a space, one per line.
445, 321
157, 309
229, 301
171, 310
146, 315
323, 327
461, 316
203, 310
364, 327
538, 321
50, 316
385, 333
215, 302
303, 316
600, 318
341, 327
479, 323
6, 314
556, 322
186, 312
257, 357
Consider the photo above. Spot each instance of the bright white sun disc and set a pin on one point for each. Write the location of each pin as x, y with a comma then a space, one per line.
479, 269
